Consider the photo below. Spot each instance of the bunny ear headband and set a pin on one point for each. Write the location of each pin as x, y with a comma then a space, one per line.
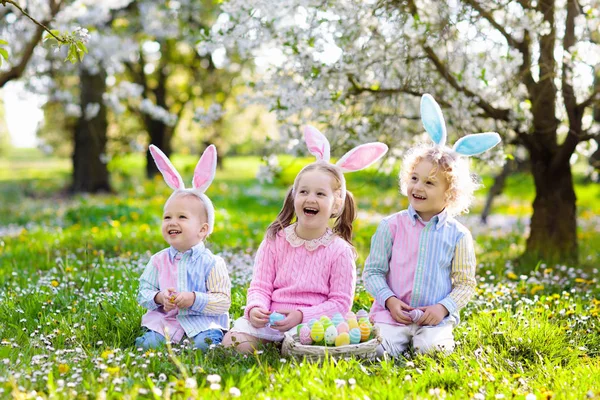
470, 145
356, 159
204, 173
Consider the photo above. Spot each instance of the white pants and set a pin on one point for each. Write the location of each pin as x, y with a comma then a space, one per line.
396, 338
242, 325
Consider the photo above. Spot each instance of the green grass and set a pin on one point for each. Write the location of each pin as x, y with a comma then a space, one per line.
69, 269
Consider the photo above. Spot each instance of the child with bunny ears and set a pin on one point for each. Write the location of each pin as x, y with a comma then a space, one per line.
304, 269
185, 287
421, 265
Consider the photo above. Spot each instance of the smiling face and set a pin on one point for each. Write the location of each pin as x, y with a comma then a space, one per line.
184, 222
426, 189
314, 203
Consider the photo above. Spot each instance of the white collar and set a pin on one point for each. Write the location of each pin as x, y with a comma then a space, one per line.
296, 241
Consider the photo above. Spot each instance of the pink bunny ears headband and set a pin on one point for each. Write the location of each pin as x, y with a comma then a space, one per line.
469, 145
204, 173
356, 159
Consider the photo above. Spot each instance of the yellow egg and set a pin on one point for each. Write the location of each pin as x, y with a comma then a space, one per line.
352, 323
365, 332
343, 339
317, 332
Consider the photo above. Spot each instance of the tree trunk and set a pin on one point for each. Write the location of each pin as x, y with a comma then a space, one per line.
90, 172
553, 236
160, 136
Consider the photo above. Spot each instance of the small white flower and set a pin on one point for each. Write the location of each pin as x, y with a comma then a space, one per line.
213, 378
190, 383
235, 392
215, 386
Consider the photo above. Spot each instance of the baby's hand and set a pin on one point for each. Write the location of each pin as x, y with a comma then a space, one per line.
399, 310
184, 299
259, 317
162, 298
433, 315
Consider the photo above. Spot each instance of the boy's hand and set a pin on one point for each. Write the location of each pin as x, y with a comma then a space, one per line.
184, 299
399, 310
433, 315
259, 317
292, 319
166, 298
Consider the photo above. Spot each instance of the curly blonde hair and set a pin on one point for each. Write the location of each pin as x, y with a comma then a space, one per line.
455, 168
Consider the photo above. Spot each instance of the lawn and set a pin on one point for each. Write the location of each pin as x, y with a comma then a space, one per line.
69, 268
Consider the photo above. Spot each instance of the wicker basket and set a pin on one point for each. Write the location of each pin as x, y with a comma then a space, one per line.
292, 347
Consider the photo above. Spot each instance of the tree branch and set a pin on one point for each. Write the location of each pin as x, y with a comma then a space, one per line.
488, 17
40, 24
17, 70
357, 88
594, 97
567, 70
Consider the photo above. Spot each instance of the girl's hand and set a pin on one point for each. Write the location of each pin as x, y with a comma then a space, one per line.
292, 319
185, 299
259, 317
399, 310
433, 315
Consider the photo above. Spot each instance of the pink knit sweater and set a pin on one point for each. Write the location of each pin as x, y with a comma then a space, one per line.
317, 277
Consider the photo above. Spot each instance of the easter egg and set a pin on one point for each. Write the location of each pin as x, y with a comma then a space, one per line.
363, 319
317, 332
324, 318
350, 314
365, 332
362, 314
415, 314
343, 327
337, 319
274, 317
305, 335
354, 335
311, 322
352, 323
330, 335
343, 339
299, 328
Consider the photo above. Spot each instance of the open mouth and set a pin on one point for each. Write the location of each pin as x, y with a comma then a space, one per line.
418, 197
310, 211
174, 232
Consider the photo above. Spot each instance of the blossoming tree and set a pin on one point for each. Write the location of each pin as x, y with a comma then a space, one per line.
523, 68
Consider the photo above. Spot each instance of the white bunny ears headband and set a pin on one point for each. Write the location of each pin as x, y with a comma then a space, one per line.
204, 173
356, 159
469, 145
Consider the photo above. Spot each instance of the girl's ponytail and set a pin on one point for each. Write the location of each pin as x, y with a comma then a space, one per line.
285, 216
343, 223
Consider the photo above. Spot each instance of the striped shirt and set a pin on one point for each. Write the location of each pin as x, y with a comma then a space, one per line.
196, 270
421, 263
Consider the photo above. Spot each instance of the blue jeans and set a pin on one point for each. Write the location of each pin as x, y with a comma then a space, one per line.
152, 340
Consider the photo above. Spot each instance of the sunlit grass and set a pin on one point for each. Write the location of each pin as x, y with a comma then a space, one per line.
69, 269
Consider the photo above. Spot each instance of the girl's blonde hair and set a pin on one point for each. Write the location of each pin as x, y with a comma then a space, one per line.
344, 217
455, 168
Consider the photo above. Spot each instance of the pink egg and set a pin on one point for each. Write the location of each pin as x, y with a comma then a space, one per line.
362, 314
343, 327
415, 314
350, 315
305, 335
